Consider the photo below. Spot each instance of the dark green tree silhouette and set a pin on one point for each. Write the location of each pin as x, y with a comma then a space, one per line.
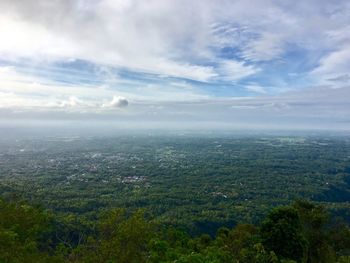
281, 232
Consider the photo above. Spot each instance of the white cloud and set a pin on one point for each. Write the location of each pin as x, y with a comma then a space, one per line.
8, 100
20, 38
117, 102
334, 65
73, 102
267, 47
40, 92
235, 70
256, 89
133, 34
148, 37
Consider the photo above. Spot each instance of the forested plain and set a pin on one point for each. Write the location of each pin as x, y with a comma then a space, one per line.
178, 198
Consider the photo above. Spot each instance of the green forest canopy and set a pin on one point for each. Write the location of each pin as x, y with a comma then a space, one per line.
300, 232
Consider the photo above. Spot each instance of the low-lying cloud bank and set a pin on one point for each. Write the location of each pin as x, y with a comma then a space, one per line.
324, 109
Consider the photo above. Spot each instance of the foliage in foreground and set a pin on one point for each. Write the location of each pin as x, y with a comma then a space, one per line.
301, 232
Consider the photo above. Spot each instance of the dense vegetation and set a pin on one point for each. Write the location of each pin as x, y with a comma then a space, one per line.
175, 199
199, 183
301, 232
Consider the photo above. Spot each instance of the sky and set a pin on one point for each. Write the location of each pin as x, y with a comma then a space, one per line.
255, 64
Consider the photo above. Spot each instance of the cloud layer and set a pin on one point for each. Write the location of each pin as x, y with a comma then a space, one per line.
102, 56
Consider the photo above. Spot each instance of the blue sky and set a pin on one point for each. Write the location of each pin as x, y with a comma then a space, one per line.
233, 62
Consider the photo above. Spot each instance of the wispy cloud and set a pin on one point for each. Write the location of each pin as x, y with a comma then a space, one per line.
256, 89
97, 56
231, 70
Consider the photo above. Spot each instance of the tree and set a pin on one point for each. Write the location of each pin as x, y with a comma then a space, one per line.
281, 232
122, 239
23, 229
314, 221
